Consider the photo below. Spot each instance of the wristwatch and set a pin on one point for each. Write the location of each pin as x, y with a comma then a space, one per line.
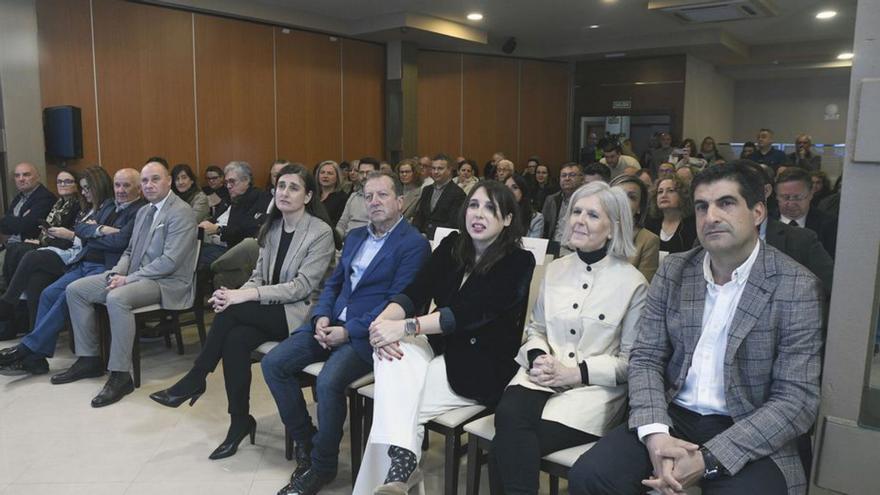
713, 469
410, 327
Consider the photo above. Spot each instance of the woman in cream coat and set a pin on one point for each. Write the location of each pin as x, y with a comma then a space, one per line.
571, 385
296, 247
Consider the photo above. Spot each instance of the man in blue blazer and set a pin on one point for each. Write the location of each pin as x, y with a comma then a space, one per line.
378, 261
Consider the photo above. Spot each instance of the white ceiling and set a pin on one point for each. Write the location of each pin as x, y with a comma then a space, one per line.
794, 39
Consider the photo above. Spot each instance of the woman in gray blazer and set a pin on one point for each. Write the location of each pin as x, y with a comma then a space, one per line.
184, 185
296, 246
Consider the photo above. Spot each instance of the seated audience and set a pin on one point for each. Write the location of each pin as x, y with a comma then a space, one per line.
597, 172
184, 185
345, 168
686, 154
627, 147
378, 261
659, 154
665, 170
570, 387
156, 268
543, 186
804, 156
439, 204
685, 172
709, 152
765, 152
532, 221
647, 254
616, 161
831, 204
794, 191
296, 246
355, 213
504, 169
385, 167
467, 176
330, 190
215, 190
646, 177
460, 355
425, 171
241, 220
28, 209
670, 215
410, 177
727, 352
747, 150
102, 234
821, 187
571, 176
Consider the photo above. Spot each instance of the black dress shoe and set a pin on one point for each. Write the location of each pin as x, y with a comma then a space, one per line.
309, 483
84, 367
230, 446
169, 399
302, 452
32, 365
118, 386
13, 354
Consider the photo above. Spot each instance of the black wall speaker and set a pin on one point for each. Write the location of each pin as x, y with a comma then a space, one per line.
62, 129
509, 46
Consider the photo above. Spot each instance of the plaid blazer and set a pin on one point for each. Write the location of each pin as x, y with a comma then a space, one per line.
771, 364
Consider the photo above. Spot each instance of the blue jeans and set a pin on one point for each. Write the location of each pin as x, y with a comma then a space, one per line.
52, 310
343, 366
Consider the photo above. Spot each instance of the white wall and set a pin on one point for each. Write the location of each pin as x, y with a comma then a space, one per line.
793, 106
20, 84
708, 102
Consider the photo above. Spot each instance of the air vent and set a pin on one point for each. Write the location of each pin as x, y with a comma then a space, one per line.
701, 11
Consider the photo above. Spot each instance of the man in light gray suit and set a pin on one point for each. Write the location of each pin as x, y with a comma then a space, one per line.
156, 268
724, 373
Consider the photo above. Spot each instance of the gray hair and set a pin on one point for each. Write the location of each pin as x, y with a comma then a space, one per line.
616, 206
243, 169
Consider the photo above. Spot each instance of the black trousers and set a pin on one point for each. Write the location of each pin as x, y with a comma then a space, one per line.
35, 270
522, 438
235, 332
619, 462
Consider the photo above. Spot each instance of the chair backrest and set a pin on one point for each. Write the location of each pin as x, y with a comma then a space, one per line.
199, 238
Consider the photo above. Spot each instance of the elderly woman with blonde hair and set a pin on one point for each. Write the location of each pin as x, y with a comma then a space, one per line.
570, 388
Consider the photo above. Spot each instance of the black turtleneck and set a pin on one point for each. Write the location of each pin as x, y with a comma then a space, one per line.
591, 257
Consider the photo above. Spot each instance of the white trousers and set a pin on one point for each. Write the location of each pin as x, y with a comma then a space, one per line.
407, 394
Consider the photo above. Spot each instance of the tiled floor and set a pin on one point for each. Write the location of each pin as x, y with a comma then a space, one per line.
53, 442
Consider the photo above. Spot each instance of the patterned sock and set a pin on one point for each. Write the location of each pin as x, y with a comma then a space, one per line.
403, 463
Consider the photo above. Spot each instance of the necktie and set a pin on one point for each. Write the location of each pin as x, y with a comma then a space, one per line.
793, 223
141, 240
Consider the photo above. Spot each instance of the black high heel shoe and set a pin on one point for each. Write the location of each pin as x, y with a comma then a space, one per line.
230, 446
166, 398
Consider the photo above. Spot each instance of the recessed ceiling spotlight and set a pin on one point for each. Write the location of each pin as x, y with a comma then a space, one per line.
845, 56
826, 14
475, 16
593, 26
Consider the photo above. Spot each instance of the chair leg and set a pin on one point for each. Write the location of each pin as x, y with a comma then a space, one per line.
166, 333
554, 485
453, 455
199, 311
425, 441
288, 444
355, 427
178, 336
473, 467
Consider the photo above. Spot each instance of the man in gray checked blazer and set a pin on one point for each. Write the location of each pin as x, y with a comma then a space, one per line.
156, 268
724, 374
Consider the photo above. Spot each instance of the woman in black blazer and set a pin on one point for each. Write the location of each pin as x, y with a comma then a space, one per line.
461, 354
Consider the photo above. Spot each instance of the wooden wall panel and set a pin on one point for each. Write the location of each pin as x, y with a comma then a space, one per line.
439, 103
66, 70
490, 89
235, 93
363, 99
309, 96
544, 109
144, 61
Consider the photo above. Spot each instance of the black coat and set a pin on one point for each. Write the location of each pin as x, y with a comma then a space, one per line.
683, 239
245, 216
489, 313
34, 209
825, 227
445, 214
803, 246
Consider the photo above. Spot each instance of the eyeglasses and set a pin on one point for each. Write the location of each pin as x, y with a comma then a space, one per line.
231, 182
65, 182
569, 176
792, 197
212, 177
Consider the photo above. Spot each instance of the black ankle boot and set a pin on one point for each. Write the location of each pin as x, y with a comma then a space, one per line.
241, 427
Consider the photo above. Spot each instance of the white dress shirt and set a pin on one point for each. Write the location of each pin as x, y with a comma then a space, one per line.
703, 389
801, 222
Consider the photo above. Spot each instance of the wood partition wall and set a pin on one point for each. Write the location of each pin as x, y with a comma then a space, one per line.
473, 105
205, 90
